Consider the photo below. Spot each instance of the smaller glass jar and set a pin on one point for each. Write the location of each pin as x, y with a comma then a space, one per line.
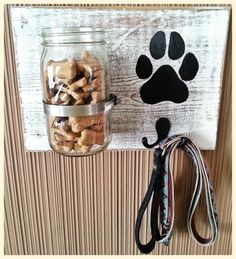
77, 103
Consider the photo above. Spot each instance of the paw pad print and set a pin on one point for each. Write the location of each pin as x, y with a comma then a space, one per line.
165, 84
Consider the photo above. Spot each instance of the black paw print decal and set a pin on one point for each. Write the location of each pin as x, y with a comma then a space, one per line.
165, 84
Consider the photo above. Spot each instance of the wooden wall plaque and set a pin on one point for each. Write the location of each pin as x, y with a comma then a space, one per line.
128, 35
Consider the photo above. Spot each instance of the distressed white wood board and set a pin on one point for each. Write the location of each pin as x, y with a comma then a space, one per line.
128, 35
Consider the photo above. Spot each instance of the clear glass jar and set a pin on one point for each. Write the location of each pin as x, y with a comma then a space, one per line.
75, 79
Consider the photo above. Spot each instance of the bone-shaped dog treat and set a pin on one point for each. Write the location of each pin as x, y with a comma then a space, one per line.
80, 123
62, 71
60, 138
66, 147
83, 149
69, 135
53, 78
90, 137
60, 143
65, 69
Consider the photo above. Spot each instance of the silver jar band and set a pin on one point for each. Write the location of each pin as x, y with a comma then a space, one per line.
80, 110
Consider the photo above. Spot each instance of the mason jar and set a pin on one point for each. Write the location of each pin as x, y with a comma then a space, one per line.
76, 97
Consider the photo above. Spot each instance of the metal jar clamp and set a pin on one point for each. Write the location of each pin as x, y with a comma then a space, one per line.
81, 110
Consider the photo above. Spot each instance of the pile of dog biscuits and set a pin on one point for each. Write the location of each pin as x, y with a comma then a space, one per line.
75, 82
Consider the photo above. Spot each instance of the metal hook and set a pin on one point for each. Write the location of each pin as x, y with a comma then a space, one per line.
162, 129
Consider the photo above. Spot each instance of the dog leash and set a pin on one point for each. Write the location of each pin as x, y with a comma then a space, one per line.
161, 187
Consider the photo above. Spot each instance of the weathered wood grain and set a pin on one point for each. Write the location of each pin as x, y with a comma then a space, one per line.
60, 205
128, 35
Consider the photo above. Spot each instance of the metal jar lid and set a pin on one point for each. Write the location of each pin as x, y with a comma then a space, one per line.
71, 35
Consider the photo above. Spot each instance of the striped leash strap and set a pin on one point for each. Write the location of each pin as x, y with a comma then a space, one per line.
161, 187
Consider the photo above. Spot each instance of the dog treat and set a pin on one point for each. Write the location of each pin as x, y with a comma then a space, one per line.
75, 82
64, 97
64, 147
83, 149
64, 69
80, 123
69, 135
90, 137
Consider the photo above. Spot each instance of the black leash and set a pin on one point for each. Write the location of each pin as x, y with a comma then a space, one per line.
161, 188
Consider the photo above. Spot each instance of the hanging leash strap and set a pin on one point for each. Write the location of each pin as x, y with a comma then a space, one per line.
156, 190
161, 188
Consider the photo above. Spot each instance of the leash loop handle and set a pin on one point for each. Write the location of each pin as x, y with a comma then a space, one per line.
161, 187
